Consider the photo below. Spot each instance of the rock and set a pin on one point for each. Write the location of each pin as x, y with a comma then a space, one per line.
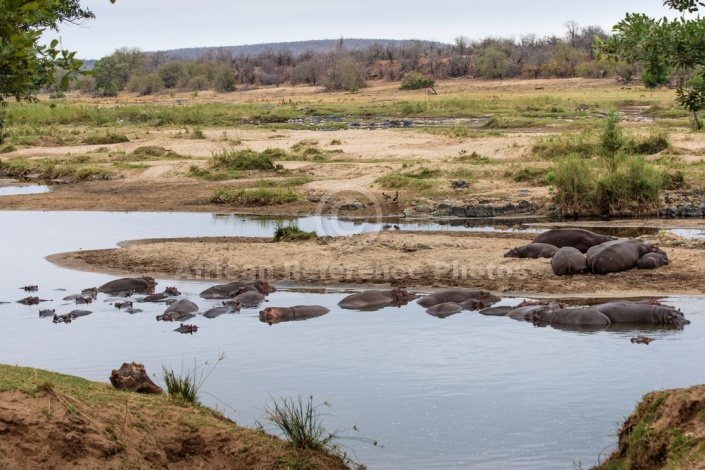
133, 378
423, 208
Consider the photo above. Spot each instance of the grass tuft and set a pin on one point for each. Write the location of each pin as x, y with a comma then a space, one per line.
290, 232
253, 197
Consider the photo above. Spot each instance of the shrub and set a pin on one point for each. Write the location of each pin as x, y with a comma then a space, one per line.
557, 146
415, 81
574, 181
243, 160
290, 232
253, 197
106, 139
655, 142
184, 388
300, 423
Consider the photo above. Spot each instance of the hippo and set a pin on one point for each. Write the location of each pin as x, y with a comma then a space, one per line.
567, 261
532, 250
225, 291
445, 309
576, 237
168, 292
618, 255
90, 292
376, 299
187, 329
137, 284
31, 301
641, 340
497, 311
652, 261
248, 298
273, 315
624, 311
83, 300
457, 296
165, 317
572, 316
227, 307
30, 288
79, 313
182, 310
121, 305
132, 310
527, 313
47, 313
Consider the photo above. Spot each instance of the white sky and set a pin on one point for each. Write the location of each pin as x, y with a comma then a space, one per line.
153, 25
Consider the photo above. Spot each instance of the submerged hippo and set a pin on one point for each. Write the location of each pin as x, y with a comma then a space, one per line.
497, 311
168, 292
187, 329
576, 237
273, 315
618, 255
248, 298
134, 284
572, 316
182, 310
225, 291
376, 299
47, 313
652, 261
445, 309
30, 288
227, 307
457, 296
532, 250
567, 261
527, 312
624, 311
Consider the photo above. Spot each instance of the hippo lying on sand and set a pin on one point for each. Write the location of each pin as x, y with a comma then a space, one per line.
652, 261
458, 296
136, 284
575, 237
618, 255
532, 250
273, 315
376, 299
567, 261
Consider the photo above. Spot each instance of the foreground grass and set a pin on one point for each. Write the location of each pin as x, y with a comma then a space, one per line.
253, 197
129, 430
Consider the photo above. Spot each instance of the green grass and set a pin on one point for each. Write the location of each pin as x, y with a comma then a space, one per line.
253, 197
290, 232
195, 171
245, 160
300, 423
105, 139
398, 181
284, 182
50, 168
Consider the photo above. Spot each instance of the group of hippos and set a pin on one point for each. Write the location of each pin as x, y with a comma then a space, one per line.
578, 251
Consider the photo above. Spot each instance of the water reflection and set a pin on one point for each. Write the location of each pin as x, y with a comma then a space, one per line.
15, 190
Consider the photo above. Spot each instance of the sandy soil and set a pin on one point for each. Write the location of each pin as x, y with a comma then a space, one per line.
416, 260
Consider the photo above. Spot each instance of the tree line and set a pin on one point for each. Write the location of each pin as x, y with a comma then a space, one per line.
346, 68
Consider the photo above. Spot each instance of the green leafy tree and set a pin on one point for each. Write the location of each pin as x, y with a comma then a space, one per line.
26, 66
663, 45
492, 62
113, 72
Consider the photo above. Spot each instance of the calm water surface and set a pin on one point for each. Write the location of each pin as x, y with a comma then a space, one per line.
466, 391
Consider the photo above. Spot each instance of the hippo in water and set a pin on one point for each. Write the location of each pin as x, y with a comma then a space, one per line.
444, 310
532, 250
376, 299
135, 284
567, 261
624, 311
229, 306
248, 297
47, 313
497, 311
187, 329
572, 316
457, 296
652, 261
225, 291
273, 315
618, 255
182, 310
575, 237
168, 292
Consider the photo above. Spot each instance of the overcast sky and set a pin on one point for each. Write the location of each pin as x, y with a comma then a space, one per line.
153, 25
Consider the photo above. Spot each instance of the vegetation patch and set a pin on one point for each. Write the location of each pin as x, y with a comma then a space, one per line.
244, 160
290, 232
105, 139
399, 181
196, 171
253, 197
284, 182
155, 152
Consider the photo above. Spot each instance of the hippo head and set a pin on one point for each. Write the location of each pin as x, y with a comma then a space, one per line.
487, 298
263, 287
150, 280
172, 291
233, 304
512, 253
402, 295
674, 317
536, 315
270, 315
656, 249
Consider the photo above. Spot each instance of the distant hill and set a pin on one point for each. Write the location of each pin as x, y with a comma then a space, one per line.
297, 47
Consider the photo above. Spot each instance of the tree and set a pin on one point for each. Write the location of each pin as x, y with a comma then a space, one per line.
664, 45
26, 66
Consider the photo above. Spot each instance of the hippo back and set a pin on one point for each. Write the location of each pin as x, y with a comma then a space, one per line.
576, 237
616, 256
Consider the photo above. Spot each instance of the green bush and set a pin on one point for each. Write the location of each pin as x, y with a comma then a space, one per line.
554, 147
106, 139
574, 181
290, 232
651, 144
415, 81
243, 160
253, 197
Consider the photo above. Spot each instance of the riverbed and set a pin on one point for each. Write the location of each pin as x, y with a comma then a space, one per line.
466, 391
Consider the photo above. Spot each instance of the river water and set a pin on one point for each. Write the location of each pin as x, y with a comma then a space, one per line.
467, 391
